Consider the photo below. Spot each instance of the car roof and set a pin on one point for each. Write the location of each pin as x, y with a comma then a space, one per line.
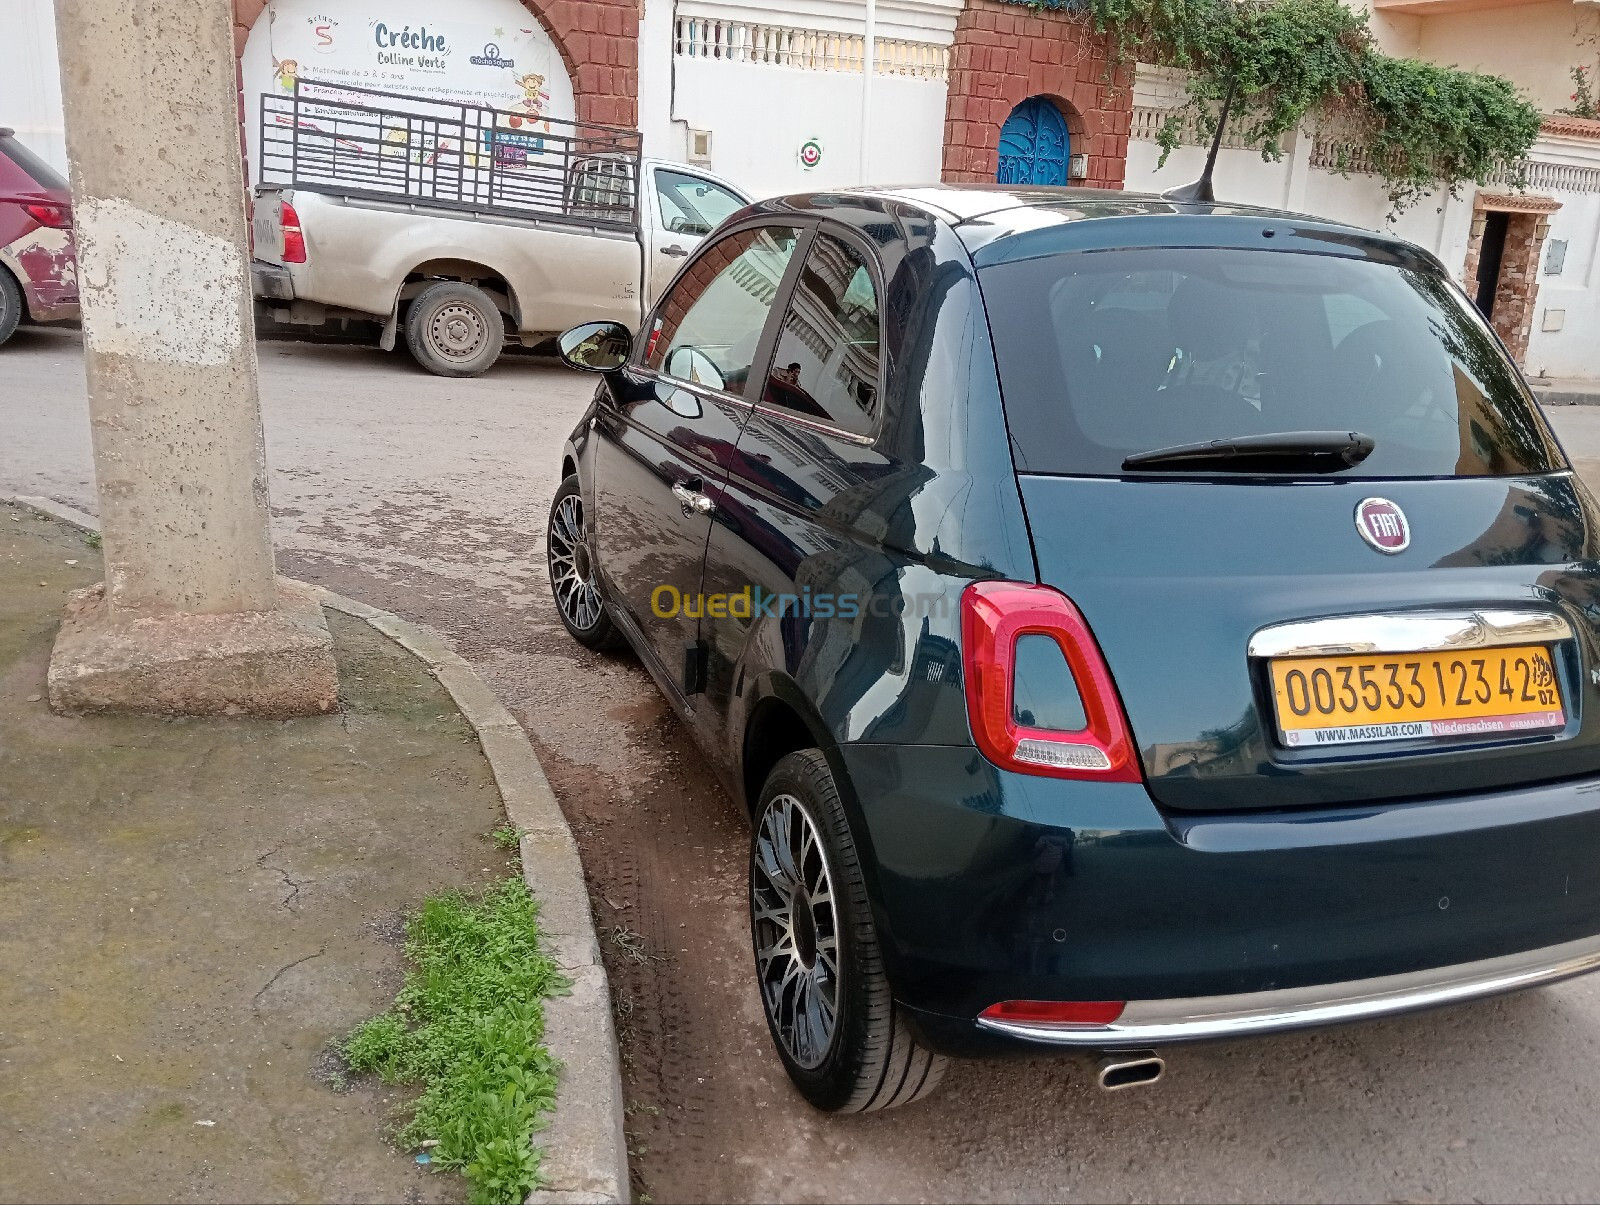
999, 222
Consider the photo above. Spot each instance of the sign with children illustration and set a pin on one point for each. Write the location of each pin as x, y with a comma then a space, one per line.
476, 52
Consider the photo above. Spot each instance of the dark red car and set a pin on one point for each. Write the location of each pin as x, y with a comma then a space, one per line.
38, 261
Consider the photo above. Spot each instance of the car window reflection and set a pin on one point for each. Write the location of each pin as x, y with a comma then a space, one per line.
827, 360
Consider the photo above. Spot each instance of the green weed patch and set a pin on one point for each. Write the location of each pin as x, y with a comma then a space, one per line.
468, 1026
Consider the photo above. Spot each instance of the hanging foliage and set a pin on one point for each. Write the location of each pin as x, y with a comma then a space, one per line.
1419, 126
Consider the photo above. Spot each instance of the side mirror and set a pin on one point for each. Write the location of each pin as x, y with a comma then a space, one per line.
596, 346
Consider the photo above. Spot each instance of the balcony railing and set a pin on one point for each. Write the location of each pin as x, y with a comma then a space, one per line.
805, 49
1148, 120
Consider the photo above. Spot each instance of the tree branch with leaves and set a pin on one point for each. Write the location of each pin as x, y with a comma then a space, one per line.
1420, 126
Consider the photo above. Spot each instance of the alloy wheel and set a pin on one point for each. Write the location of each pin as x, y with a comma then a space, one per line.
797, 931
571, 567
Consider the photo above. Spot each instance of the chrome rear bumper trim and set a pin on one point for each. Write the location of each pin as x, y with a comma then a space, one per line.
1155, 1022
1410, 632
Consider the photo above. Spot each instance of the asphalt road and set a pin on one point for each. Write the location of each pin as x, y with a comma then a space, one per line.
428, 496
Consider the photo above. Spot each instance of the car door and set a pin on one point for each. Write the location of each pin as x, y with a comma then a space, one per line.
809, 507
667, 426
687, 207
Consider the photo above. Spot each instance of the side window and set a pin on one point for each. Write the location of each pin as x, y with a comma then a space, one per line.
826, 363
707, 328
691, 205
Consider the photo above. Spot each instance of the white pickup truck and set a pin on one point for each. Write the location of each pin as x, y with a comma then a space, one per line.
464, 229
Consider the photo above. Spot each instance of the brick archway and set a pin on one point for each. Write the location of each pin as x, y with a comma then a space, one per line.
598, 40
1003, 54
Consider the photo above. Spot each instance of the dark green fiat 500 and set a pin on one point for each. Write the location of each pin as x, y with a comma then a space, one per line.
1127, 621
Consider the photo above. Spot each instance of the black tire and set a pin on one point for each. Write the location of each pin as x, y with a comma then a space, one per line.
11, 306
454, 329
573, 581
869, 1060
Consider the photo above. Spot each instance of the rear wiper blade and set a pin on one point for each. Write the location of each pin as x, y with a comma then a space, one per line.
1322, 451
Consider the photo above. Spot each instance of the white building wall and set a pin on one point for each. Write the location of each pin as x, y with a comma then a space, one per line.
759, 117
764, 80
30, 78
662, 137
1570, 300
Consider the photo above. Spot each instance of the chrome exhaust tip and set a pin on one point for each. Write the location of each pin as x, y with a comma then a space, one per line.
1129, 1069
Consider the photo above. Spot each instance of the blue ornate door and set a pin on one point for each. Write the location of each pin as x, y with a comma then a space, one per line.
1034, 144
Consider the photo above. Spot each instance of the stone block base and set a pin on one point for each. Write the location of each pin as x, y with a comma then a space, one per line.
260, 663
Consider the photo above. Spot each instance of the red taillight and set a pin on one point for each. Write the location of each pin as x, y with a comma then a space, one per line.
1056, 1012
994, 615
57, 217
294, 239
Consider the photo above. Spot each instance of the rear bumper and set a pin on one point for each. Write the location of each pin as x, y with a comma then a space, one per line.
1158, 1022
989, 886
53, 311
271, 281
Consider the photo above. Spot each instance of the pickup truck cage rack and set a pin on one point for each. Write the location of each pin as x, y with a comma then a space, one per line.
363, 143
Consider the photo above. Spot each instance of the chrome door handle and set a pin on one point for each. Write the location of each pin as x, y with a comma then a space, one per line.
675, 251
692, 503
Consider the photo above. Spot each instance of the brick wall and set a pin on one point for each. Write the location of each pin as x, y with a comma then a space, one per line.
1517, 289
598, 40
1005, 53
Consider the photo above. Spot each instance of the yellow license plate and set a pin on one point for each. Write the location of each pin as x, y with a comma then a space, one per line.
1409, 696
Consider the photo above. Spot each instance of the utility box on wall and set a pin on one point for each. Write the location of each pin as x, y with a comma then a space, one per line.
699, 148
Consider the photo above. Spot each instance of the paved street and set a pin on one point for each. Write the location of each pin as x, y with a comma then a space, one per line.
426, 496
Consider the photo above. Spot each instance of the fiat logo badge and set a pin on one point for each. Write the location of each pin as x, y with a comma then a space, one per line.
1383, 525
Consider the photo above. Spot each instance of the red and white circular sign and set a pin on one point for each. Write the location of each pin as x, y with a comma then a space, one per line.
1383, 525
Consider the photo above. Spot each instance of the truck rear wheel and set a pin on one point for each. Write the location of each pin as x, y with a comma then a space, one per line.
454, 330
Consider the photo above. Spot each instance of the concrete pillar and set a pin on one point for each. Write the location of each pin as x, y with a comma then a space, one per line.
190, 618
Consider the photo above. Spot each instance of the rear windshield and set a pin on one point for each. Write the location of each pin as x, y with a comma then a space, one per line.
1105, 354
41, 172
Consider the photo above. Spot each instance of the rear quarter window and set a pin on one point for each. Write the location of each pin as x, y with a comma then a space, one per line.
1104, 354
35, 173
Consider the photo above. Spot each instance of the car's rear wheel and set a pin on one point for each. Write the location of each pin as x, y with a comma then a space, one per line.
818, 964
454, 329
10, 305
573, 579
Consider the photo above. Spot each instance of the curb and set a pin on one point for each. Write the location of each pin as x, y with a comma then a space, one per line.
1558, 397
585, 1150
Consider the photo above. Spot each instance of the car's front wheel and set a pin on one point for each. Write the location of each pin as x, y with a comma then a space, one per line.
819, 967
573, 579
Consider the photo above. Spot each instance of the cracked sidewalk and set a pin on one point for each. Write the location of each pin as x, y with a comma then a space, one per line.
191, 910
